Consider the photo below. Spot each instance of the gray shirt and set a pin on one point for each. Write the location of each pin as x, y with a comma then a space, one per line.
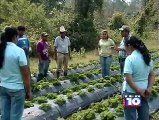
62, 45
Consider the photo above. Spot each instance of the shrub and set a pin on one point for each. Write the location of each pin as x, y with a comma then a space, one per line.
90, 89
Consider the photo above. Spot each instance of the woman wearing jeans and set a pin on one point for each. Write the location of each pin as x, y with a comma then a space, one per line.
14, 76
105, 52
139, 77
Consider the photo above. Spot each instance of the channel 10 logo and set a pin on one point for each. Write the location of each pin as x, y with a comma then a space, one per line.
131, 101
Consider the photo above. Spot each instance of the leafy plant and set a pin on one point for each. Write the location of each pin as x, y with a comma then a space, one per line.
107, 115
40, 99
52, 96
60, 100
90, 89
69, 95
89, 114
45, 107
119, 111
82, 93
28, 104
56, 83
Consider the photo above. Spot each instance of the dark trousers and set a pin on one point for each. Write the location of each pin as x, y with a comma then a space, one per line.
122, 62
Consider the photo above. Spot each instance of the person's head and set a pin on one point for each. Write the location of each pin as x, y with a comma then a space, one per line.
104, 35
133, 43
9, 35
125, 30
21, 30
62, 32
44, 36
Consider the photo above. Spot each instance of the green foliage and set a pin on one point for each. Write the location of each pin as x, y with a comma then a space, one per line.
45, 107
107, 116
28, 104
90, 89
82, 93
40, 99
69, 95
60, 100
117, 20
89, 114
52, 95
145, 17
82, 33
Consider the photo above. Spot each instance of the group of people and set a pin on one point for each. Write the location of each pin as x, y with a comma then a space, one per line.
136, 67
14, 67
135, 64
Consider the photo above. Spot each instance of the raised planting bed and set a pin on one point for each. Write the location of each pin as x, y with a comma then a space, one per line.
66, 105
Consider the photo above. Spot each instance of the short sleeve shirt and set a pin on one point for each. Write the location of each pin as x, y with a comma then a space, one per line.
105, 47
10, 74
23, 43
135, 65
62, 45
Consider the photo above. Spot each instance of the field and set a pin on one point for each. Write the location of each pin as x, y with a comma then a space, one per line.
83, 94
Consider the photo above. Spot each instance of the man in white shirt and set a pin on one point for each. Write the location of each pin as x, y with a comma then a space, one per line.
125, 30
62, 51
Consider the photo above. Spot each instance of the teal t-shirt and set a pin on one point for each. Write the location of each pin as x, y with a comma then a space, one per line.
10, 74
135, 65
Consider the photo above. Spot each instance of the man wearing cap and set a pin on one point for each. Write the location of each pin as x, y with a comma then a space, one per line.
43, 55
62, 51
125, 30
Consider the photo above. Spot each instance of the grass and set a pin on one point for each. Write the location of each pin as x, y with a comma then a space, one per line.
151, 44
88, 56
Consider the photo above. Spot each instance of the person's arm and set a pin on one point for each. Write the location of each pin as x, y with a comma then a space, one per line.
128, 78
151, 79
26, 79
25, 74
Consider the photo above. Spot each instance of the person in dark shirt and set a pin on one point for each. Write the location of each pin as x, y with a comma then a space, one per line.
42, 51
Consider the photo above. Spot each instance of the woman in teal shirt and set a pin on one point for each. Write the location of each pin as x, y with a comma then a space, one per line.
139, 77
14, 76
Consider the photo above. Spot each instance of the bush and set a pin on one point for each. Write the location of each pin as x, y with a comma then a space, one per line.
117, 20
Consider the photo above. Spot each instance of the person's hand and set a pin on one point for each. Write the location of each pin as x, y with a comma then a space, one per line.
29, 96
148, 91
141, 92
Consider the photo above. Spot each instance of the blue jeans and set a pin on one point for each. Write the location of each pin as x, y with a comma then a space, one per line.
142, 112
12, 103
122, 62
43, 69
105, 65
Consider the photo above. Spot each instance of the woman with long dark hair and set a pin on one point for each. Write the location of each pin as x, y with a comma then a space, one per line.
139, 77
14, 76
